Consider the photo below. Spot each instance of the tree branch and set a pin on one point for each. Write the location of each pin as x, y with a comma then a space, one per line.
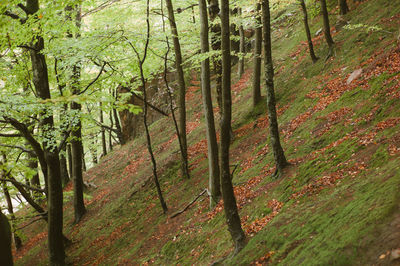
18, 147
190, 204
95, 79
22, 184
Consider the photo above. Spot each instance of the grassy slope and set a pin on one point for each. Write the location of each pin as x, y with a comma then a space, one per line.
337, 204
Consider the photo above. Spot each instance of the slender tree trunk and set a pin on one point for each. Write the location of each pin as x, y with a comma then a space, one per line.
83, 159
76, 134
231, 212
10, 208
93, 151
307, 29
344, 8
257, 58
103, 131
213, 164
327, 27
148, 138
35, 181
280, 159
170, 95
241, 47
110, 131
55, 196
69, 156
215, 29
63, 166
182, 89
120, 136
6, 258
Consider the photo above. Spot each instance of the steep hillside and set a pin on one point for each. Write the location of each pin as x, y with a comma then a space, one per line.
338, 202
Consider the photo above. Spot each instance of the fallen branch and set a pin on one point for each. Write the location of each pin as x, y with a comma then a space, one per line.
190, 204
22, 227
89, 185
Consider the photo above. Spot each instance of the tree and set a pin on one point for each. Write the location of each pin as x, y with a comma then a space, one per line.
17, 239
215, 29
103, 131
327, 27
76, 133
212, 145
257, 58
344, 8
241, 47
182, 89
141, 61
55, 199
5, 241
279, 156
307, 29
231, 211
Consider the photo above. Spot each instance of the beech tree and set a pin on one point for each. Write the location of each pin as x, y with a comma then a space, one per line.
327, 27
280, 159
343, 7
182, 89
212, 145
230, 208
5, 241
257, 57
307, 29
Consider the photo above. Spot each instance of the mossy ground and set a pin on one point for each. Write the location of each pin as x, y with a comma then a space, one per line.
340, 196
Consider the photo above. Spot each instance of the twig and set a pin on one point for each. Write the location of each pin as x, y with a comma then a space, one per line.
190, 204
34, 221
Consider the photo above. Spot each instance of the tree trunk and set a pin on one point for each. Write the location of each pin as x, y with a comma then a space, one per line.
76, 134
241, 47
212, 145
83, 159
213, 10
110, 131
6, 258
280, 159
63, 167
344, 8
35, 181
148, 138
182, 89
327, 27
69, 156
307, 29
257, 59
55, 196
231, 212
103, 132
10, 208
120, 136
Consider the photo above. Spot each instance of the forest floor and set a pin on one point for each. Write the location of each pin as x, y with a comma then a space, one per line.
337, 204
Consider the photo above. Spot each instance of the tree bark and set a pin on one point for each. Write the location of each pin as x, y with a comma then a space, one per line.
327, 27
280, 159
120, 136
10, 208
55, 196
76, 134
215, 30
110, 131
212, 145
344, 8
103, 132
6, 258
231, 211
182, 89
308, 33
257, 58
148, 138
241, 47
